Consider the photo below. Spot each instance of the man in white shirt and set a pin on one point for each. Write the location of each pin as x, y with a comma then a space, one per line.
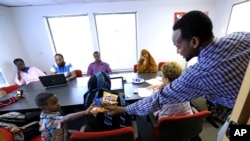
25, 75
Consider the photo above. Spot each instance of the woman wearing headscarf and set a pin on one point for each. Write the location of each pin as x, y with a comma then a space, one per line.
146, 62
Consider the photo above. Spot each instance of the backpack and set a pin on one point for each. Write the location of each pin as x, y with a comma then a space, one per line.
98, 83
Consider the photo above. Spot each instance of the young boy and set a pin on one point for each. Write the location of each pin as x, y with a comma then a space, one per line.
51, 122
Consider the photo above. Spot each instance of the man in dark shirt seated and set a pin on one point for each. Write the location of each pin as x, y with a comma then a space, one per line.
98, 65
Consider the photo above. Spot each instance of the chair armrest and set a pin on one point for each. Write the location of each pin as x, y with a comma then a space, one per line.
30, 124
153, 119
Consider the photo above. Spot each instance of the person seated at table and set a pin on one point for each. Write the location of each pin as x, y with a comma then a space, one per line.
3, 92
146, 62
52, 125
62, 67
169, 72
98, 65
98, 84
25, 74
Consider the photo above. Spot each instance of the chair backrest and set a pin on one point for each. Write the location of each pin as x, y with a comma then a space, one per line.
160, 64
135, 68
6, 136
178, 128
78, 73
121, 134
10, 88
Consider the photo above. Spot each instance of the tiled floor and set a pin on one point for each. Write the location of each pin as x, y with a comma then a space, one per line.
209, 132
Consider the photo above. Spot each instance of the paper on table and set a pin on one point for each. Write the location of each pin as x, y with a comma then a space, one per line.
153, 81
144, 92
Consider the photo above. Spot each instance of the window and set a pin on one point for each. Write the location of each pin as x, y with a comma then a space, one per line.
117, 39
3, 81
72, 37
238, 19
113, 35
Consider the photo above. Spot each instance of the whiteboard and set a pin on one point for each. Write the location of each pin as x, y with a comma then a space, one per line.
239, 19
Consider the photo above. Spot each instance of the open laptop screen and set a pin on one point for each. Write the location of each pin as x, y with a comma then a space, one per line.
117, 84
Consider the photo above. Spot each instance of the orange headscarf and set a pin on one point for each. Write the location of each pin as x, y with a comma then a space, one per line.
149, 65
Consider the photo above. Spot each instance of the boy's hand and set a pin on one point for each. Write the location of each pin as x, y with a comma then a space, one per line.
90, 107
15, 130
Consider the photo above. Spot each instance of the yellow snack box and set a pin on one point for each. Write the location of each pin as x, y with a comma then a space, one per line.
107, 99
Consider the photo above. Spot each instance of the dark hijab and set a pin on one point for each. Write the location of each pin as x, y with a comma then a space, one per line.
99, 80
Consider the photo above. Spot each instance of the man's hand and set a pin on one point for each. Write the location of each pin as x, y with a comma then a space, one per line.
19, 74
113, 110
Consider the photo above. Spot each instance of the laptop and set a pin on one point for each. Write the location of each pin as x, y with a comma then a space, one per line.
117, 84
51, 81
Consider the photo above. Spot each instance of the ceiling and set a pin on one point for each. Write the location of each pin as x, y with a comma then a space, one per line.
19, 3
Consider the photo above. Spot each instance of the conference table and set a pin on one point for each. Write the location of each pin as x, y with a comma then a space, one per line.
72, 94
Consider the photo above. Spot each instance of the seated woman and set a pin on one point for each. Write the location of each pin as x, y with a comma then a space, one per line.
146, 62
98, 84
169, 72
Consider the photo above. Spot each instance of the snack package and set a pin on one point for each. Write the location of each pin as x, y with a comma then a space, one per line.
107, 99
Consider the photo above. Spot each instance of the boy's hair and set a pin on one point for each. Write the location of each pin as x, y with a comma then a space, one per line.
41, 98
171, 70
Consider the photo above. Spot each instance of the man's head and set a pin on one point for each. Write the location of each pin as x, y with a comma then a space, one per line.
59, 60
19, 63
48, 102
97, 57
191, 33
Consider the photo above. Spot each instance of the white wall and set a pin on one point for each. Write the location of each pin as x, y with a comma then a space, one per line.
10, 45
155, 20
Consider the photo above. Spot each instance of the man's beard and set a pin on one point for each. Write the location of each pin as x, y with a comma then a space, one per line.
61, 65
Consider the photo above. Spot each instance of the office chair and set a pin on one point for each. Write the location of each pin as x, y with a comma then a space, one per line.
135, 68
7, 136
121, 134
160, 64
179, 128
10, 88
78, 73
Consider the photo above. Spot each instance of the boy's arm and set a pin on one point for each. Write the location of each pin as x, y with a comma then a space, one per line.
77, 115
74, 116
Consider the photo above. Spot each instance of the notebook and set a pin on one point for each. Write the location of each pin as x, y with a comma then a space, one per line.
51, 81
117, 84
